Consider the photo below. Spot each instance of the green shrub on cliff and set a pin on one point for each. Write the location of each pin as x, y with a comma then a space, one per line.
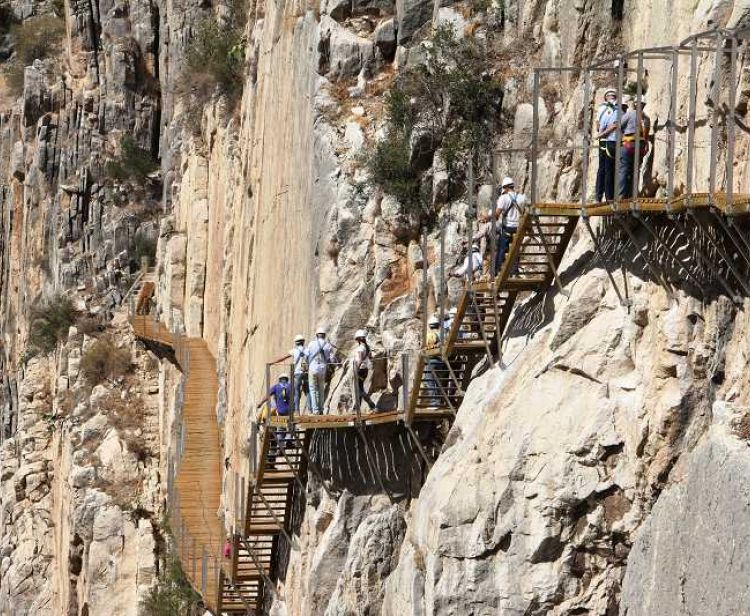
447, 103
104, 360
50, 322
133, 163
214, 63
173, 595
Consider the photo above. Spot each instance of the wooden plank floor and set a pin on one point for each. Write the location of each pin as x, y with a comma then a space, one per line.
332, 422
198, 478
740, 205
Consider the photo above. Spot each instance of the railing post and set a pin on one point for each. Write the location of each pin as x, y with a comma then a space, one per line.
638, 136
204, 571
585, 160
731, 123
716, 98
292, 399
534, 141
691, 122
618, 142
672, 128
253, 448
442, 273
469, 225
424, 285
404, 383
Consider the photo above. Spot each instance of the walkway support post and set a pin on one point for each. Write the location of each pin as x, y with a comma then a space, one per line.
716, 98
534, 142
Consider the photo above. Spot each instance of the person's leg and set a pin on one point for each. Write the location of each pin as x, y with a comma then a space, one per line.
297, 392
511, 233
501, 250
363, 395
626, 172
609, 171
315, 394
306, 391
600, 171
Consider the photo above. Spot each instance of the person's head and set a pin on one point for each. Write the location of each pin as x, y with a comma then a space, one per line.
299, 339
610, 96
360, 335
452, 312
433, 323
320, 333
474, 248
483, 217
283, 379
634, 102
508, 185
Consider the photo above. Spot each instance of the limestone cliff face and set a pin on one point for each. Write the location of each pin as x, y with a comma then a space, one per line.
558, 483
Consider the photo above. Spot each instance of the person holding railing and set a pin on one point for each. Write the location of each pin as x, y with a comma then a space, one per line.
279, 395
301, 363
508, 210
321, 360
361, 364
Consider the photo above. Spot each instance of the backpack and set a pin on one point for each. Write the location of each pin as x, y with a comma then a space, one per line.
302, 363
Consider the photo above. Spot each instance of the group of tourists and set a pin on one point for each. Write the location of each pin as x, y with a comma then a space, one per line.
611, 115
313, 366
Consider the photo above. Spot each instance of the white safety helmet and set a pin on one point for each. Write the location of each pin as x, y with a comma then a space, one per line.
299, 338
284, 377
321, 331
433, 322
474, 248
360, 333
609, 91
507, 182
453, 312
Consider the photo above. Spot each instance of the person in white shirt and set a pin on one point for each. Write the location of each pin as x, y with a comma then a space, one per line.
508, 213
361, 364
320, 356
476, 263
300, 363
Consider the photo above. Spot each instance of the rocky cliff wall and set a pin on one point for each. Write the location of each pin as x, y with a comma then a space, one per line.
555, 484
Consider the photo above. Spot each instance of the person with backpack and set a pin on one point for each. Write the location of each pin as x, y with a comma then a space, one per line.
361, 364
321, 358
301, 362
507, 215
280, 395
630, 128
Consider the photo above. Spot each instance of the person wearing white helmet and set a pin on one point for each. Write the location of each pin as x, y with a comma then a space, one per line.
321, 360
508, 210
606, 117
301, 362
361, 364
473, 262
630, 127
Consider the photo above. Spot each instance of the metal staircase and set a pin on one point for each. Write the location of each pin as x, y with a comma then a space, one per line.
281, 469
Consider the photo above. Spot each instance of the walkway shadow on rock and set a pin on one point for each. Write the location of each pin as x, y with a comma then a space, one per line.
702, 258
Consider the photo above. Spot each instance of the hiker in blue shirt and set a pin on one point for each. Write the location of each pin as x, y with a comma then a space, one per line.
606, 116
279, 396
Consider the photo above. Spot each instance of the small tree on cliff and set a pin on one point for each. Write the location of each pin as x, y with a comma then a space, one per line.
448, 103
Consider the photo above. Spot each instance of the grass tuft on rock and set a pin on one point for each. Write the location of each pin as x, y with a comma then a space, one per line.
104, 361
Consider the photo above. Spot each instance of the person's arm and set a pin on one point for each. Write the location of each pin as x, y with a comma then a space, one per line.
461, 271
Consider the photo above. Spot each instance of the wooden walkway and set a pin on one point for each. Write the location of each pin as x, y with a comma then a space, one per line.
194, 515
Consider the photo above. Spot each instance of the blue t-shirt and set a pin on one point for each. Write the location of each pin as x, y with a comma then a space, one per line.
281, 394
607, 117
